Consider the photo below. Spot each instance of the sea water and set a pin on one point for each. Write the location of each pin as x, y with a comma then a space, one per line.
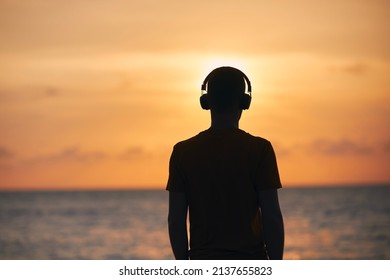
320, 223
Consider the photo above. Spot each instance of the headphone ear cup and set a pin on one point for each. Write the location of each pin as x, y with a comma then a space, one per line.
245, 101
204, 102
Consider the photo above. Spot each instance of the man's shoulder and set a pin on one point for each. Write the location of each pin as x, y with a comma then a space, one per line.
189, 141
206, 135
254, 138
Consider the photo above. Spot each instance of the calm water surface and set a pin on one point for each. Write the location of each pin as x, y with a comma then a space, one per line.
320, 223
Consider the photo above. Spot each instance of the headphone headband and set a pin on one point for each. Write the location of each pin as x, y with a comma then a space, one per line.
206, 80
246, 98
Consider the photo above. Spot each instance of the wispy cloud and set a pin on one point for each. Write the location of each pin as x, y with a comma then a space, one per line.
354, 68
28, 94
76, 154
134, 153
332, 148
281, 150
386, 147
6, 158
50, 92
70, 154
6, 153
339, 147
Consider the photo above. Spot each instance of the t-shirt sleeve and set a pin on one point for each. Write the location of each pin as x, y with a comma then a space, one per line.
175, 179
267, 175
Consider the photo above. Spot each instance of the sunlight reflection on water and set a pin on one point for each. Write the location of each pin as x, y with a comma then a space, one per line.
345, 223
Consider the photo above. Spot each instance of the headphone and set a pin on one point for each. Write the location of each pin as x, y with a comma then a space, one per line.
245, 99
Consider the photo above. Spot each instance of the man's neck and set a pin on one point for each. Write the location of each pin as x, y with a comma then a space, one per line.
225, 120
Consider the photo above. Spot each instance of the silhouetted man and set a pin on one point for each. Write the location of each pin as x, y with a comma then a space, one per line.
228, 179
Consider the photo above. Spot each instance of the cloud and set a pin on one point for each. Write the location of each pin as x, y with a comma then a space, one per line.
28, 94
50, 92
5, 153
340, 147
6, 158
134, 153
386, 147
356, 68
281, 150
332, 148
71, 154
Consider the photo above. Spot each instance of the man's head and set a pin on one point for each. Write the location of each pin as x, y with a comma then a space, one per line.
225, 90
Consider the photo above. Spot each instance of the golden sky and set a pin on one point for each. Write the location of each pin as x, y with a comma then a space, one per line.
95, 93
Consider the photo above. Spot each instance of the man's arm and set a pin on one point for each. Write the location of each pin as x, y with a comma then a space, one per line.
177, 224
272, 223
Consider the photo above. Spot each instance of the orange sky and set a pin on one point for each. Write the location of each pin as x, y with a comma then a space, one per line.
96, 93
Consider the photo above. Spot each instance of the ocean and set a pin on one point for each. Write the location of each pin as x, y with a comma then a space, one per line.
320, 223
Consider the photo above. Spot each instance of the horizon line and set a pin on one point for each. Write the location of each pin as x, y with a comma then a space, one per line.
162, 188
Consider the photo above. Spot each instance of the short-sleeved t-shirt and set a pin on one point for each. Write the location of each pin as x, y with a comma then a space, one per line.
221, 172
